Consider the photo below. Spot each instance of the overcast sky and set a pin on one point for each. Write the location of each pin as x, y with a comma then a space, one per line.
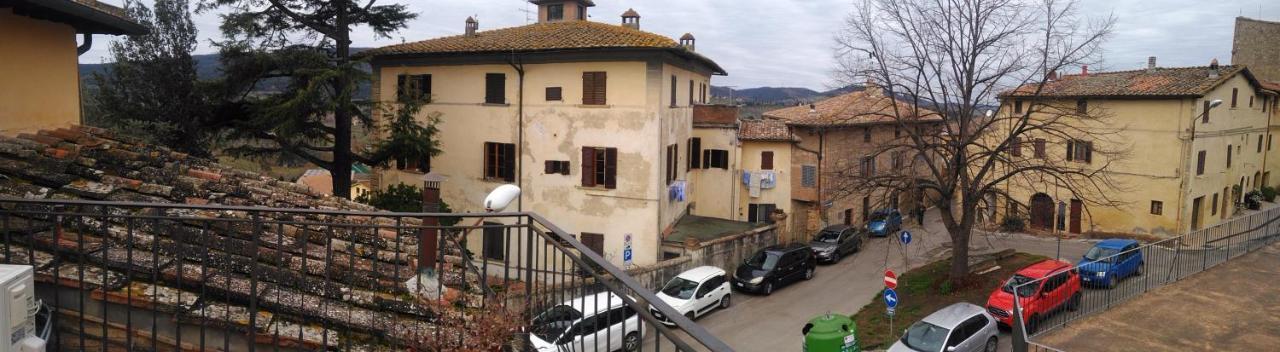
784, 43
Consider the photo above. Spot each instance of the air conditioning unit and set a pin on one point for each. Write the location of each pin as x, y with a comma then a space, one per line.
18, 310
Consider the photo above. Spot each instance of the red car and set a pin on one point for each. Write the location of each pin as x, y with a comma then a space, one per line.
1039, 299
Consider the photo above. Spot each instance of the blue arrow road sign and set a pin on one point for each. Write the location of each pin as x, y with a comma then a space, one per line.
905, 237
890, 298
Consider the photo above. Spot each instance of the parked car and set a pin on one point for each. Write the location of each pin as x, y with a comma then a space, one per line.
775, 266
1109, 261
834, 242
695, 293
960, 327
600, 322
884, 222
1060, 288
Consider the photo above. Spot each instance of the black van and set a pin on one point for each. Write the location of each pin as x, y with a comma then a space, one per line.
775, 266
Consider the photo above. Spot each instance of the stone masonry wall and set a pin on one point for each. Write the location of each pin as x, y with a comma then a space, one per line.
1257, 45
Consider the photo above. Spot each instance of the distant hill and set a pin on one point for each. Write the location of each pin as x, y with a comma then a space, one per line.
207, 68
777, 95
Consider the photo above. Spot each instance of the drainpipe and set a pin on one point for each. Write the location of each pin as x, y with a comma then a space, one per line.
518, 65
84, 47
87, 39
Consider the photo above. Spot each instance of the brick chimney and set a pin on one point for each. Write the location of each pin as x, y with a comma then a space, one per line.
1084, 70
1051, 76
472, 26
1213, 68
562, 10
631, 19
872, 88
687, 41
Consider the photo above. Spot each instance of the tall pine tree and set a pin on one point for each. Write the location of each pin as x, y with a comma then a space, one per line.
151, 91
289, 82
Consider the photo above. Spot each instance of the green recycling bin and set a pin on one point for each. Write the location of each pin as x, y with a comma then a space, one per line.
830, 333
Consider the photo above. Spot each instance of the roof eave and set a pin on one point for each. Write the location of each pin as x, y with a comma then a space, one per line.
99, 22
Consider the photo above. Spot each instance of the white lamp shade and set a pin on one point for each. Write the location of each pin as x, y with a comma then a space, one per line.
501, 197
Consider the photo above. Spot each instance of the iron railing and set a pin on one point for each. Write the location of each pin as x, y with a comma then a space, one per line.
145, 276
1159, 264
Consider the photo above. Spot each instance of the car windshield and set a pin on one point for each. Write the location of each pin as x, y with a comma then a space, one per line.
923, 336
1023, 291
829, 237
763, 260
879, 215
1098, 253
680, 288
551, 324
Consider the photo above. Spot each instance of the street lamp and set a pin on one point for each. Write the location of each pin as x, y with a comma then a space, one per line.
1212, 104
427, 280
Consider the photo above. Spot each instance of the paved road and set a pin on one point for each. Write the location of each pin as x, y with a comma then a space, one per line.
772, 323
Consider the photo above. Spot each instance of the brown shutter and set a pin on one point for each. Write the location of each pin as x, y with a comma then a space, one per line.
495, 88
400, 81
488, 160
1088, 152
1071, 148
549, 167
766, 160
610, 168
588, 88
695, 153
509, 162
601, 87
1204, 111
588, 167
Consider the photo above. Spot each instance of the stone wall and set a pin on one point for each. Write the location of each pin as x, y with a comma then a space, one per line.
1257, 45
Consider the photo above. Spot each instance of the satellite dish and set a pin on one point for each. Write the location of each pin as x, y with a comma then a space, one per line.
501, 197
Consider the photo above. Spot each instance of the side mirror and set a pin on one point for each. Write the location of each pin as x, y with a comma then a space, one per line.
951, 348
700, 295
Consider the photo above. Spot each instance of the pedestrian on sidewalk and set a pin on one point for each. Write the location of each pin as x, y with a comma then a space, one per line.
920, 215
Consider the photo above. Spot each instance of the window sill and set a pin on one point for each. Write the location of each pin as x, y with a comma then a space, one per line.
593, 106
495, 180
595, 188
495, 104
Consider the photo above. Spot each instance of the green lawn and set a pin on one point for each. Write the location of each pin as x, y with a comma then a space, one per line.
925, 290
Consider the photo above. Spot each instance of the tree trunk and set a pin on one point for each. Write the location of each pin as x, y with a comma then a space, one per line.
342, 118
959, 254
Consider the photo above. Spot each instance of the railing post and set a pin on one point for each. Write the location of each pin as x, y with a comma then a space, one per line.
1019, 327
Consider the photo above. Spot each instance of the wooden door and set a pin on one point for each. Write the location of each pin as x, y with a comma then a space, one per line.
1195, 212
1076, 208
1041, 211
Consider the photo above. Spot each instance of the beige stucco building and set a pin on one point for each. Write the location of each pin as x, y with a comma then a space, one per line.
39, 58
591, 120
1180, 169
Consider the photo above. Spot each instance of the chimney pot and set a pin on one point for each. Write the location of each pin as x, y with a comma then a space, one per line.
687, 41
1052, 76
472, 26
631, 19
1084, 70
1151, 63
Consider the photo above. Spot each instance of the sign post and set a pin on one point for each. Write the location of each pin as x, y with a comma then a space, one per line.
905, 237
626, 251
890, 279
890, 302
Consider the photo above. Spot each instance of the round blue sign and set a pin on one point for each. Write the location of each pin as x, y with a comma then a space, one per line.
905, 237
890, 298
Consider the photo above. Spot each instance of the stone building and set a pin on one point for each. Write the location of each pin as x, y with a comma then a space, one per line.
1256, 45
592, 120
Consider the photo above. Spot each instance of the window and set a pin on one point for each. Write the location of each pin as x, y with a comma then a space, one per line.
594, 88
1259, 143
1200, 162
1235, 92
1016, 148
896, 160
766, 160
1204, 111
421, 165
1039, 148
1157, 207
555, 12
1213, 207
866, 134
599, 167
848, 216
495, 88
557, 167
594, 242
809, 176
868, 166
1082, 106
866, 208
500, 161
760, 212
673, 91
690, 92
673, 162
695, 153
1080, 151
1265, 102
717, 158
413, 86
494, 241
1017, 106
1250, 101
897, 131
702, 93
554, 94
1228, 156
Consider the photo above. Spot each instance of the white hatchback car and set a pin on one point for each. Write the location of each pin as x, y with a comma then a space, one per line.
695, 293
600, 322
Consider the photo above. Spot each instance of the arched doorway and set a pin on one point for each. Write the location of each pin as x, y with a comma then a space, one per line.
1041, 211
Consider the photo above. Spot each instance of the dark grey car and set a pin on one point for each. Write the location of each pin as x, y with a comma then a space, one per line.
836, 241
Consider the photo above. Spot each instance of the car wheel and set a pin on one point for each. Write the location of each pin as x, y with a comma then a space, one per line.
808, 274
724, 302
768, 288
631, 343
1074, 304
991, 345
836, 257
689, 315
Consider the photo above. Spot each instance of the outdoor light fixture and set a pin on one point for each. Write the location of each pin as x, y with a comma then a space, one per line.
501, 197
426, 284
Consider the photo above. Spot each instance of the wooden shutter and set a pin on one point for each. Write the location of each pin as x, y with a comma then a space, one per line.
1088, 152
695, 153
495, 88
594, 88
401, 80
1071, 148
588, 167
1200, 163
766, 160
673, 91
610, 168
690, 92
509, 162
423, 86
554, 94
488, 160
1016, 148
1204, 111
550, 167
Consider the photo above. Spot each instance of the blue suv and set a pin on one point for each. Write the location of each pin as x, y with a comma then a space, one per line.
884, 222
1109, 261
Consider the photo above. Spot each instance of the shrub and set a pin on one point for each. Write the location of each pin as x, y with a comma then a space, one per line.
1269, 193
1013, 224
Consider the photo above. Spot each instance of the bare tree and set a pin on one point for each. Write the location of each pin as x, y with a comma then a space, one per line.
953, 59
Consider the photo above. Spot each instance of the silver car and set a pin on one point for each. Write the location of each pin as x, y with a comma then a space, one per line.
960, 327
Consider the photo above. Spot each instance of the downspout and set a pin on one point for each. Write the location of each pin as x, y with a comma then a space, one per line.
822, 203
1187, 148
80, 50
519, 67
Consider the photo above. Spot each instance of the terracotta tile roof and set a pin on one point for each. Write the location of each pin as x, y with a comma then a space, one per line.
542, 37
1271, 86
1159, 82
359, 292
856, 108
88, 16
765, 129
